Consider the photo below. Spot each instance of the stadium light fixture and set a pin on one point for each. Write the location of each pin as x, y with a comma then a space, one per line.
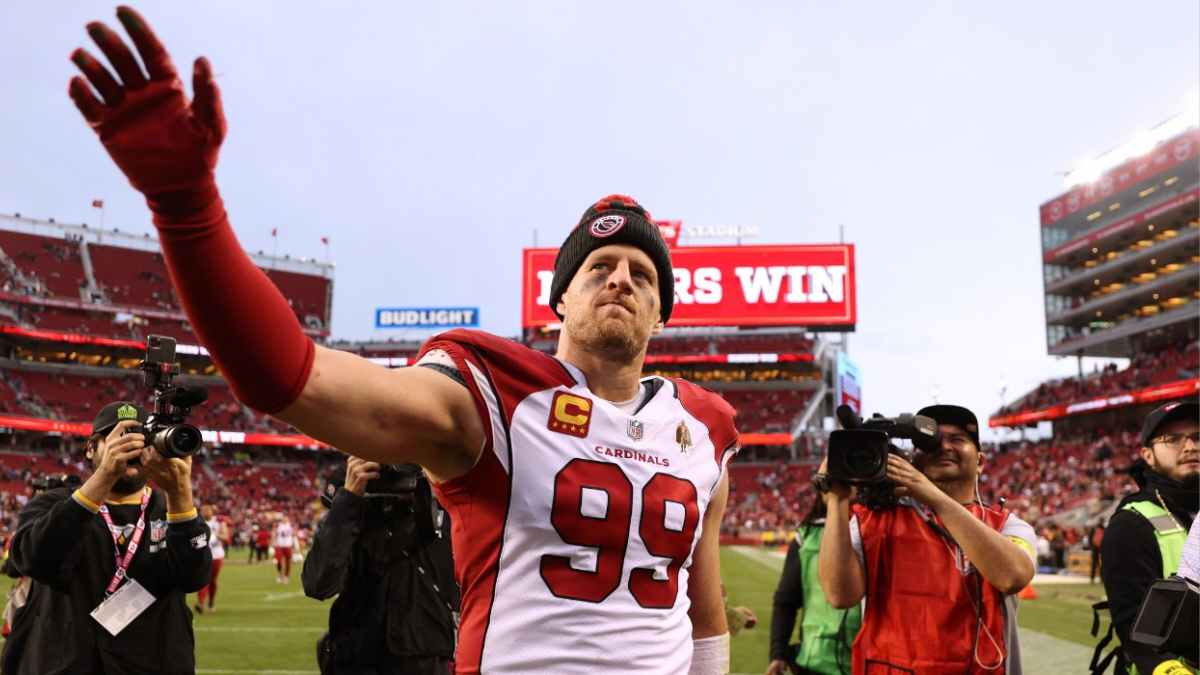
1091, 169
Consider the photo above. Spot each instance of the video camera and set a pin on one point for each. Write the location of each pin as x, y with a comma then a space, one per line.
53, 481
166, 428
858, 451
1169, 618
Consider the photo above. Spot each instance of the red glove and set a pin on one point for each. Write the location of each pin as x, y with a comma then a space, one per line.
166, 147
168, 150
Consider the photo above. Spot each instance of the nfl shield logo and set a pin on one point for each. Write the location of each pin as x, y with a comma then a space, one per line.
635, 430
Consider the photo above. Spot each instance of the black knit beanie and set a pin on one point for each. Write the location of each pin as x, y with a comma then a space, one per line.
615, 219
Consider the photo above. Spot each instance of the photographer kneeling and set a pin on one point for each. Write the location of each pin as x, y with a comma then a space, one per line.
384, 549
111, 563
938, 569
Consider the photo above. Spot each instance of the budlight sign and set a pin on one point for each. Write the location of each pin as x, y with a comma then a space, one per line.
427, 317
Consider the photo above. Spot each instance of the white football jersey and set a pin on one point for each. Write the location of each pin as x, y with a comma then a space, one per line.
284, 536
573, 534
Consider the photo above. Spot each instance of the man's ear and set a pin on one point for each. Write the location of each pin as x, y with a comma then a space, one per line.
561, 305
658, 327
1148, 455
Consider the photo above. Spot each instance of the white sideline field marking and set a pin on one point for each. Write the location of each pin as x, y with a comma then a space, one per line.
276, 597
769, 557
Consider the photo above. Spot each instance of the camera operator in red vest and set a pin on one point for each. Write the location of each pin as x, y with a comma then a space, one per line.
938, 571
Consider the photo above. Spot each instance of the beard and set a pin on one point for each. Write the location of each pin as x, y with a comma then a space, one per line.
615, 339
127, 485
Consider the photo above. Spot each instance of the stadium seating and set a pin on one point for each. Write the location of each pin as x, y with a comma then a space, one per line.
132, 277
77, 398
307, 294
731, 344
1174, 362
766, 411
55, 262
1048, 477
8, 399
766, 498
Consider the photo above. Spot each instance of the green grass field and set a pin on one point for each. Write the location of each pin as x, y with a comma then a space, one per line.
264, 628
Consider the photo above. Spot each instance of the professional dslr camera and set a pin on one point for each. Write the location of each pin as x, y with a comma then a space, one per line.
399, 482
399, 499
858, 451
166, 429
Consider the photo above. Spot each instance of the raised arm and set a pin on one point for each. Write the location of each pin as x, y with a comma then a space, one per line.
841, 572
168, 146
1005, 564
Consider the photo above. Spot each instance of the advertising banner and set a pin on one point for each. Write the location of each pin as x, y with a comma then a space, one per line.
770, 285
427, 317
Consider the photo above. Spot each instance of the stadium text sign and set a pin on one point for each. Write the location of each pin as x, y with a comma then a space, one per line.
770, 285
426, 317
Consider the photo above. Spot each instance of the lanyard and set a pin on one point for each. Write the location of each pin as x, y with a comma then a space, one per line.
123, 564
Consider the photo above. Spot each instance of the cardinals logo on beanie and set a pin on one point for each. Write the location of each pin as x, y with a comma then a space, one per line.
615, 219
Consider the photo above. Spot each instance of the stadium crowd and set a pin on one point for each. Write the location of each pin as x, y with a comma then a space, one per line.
1147, 368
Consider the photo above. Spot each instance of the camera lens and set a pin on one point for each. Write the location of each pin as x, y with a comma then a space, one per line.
863, 462
178, 440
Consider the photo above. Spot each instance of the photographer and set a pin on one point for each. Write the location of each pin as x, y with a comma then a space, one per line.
384, 549
111, 563
1145, 536
938, 570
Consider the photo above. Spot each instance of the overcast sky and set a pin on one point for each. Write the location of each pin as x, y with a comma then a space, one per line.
429, 140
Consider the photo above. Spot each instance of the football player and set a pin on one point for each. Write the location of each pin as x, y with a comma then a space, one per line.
586, 500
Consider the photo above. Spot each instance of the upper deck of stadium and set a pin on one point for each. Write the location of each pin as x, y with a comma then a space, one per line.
1119, 253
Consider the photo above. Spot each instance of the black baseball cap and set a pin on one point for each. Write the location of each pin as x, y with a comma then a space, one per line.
1179, 410
117, 411
956, 415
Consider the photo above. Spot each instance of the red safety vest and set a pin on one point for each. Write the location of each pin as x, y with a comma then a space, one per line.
921, 614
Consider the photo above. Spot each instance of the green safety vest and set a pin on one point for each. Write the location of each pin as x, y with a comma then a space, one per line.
1169, 534
825, 642
1170, 537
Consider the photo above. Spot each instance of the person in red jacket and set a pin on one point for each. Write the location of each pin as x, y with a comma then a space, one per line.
262, 542
939, 572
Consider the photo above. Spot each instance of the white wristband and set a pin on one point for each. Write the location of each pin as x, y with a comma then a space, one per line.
710, 655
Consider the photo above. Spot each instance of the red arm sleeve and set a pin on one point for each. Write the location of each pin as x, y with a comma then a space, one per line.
237, 312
